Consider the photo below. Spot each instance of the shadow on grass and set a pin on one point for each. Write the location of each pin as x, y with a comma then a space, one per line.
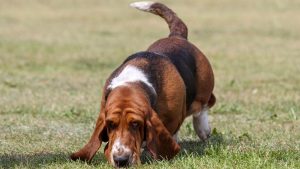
39, 160
31, 160
197, 147
194, 147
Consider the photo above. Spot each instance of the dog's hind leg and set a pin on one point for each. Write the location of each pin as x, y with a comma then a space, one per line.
204, 98
201, 124
200, 110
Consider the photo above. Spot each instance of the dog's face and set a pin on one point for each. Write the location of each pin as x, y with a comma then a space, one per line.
128, 121
125, 125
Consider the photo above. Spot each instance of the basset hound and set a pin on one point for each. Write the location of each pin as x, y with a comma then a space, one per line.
147, 98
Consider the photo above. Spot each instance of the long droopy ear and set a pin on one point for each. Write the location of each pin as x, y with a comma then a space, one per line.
99, 135
159, 140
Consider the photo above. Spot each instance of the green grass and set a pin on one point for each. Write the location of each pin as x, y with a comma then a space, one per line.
55, 56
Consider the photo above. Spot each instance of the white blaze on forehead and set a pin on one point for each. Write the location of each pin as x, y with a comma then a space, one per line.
129, 74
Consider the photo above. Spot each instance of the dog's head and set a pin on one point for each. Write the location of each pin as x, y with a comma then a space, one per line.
128, 121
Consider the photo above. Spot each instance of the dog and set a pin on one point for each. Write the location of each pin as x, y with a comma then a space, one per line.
147, 98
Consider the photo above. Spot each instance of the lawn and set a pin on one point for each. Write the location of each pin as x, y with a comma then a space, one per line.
55, 56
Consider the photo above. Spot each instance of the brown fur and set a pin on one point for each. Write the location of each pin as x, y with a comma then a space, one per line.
205, 76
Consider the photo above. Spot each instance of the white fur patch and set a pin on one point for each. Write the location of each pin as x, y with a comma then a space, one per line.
129, 74
118, 148
142, 5
143, 146
201, 124
175, 137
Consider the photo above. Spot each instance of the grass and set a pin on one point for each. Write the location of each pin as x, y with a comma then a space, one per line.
55, 56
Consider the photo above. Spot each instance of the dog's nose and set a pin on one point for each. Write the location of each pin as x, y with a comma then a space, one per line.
121, 161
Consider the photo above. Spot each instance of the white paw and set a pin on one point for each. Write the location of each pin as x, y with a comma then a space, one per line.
175, 137
201, 125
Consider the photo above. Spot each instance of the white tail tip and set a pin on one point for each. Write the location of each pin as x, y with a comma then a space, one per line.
142, 5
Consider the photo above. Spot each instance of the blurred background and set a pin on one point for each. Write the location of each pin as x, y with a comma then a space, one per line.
56, 55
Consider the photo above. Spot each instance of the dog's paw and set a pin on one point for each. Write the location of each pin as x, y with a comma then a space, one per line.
201, 125
79, 156
204, 133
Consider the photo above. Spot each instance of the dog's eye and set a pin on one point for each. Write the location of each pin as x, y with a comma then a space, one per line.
134, 125
111, 125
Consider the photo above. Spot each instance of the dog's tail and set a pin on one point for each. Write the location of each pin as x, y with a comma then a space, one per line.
176, 25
